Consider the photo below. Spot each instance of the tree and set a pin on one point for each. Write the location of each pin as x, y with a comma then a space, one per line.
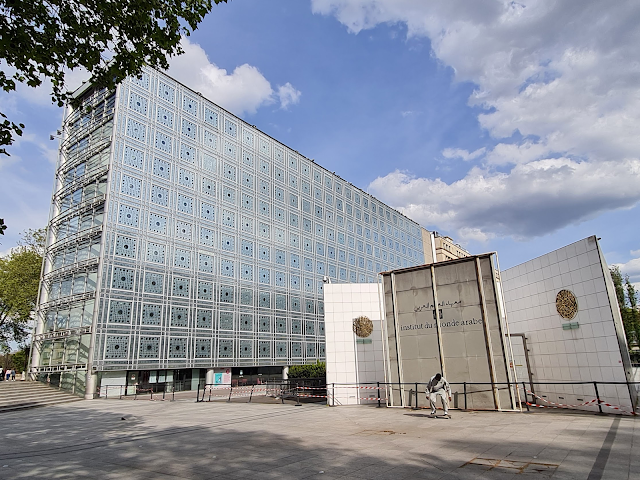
314, 370
19, 284
20, 359
112, 40
628, 303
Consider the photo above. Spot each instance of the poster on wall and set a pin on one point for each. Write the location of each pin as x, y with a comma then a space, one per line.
221, 377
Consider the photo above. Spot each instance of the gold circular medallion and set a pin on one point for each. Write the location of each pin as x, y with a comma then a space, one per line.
362, 326
566, 304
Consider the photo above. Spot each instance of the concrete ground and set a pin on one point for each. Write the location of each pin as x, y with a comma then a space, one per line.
126, 439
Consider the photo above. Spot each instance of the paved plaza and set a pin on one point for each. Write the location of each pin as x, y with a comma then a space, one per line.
126, 439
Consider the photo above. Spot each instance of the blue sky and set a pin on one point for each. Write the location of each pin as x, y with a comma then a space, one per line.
508, 126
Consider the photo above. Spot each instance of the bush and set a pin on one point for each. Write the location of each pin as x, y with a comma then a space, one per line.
313, 370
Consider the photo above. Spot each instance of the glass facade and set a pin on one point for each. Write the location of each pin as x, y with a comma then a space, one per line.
183, 237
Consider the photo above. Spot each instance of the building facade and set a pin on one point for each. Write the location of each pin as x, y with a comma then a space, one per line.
566, 326
440, 249
183, 239
404, 344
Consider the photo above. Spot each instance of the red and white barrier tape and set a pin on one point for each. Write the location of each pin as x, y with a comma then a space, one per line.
561, 404
617, 407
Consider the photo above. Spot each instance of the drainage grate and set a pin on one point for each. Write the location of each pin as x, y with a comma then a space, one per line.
513, 466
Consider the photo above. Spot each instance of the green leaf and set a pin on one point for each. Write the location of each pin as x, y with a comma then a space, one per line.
43, 39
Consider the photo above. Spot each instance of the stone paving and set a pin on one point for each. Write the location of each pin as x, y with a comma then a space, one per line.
122, 439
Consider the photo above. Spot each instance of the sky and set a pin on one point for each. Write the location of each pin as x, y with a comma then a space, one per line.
509, 126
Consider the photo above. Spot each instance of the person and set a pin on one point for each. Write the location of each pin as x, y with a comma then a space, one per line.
7, 374
438, 385
1, 373
13, 375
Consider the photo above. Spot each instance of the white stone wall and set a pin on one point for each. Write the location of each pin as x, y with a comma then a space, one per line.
113, 384
350, 362
589, 353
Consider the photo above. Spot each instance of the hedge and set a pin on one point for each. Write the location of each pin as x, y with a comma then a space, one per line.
314, 370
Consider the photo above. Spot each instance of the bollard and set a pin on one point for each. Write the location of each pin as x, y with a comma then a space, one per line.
230, 390
251, 394
379, 405
298, 404
198, 394
417, 407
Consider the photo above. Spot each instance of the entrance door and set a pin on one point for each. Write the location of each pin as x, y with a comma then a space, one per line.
132, 382
181, 380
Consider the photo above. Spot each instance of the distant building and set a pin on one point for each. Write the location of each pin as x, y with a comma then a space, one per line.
441, 249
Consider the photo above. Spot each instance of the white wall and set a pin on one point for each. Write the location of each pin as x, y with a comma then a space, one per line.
112, 384
349, 362
589, 353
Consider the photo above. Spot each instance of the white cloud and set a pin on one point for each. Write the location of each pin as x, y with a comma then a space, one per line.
40, 96
48, 151
532, 199
632, 268
242, 91
635, 253
288, 95
466, 234
564, 75
462, 154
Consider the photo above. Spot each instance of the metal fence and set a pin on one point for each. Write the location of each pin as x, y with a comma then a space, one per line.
525, 395
133, 392
587, 396
293, 389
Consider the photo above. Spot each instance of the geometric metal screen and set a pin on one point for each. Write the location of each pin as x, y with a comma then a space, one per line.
215, 238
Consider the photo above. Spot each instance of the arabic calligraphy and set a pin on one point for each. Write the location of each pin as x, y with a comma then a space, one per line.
444, 303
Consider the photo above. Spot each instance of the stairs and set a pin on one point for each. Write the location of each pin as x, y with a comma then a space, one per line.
20, 395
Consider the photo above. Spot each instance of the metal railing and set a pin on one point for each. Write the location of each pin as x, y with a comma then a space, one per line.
291, 389
597, 397
122, 391
524, 394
